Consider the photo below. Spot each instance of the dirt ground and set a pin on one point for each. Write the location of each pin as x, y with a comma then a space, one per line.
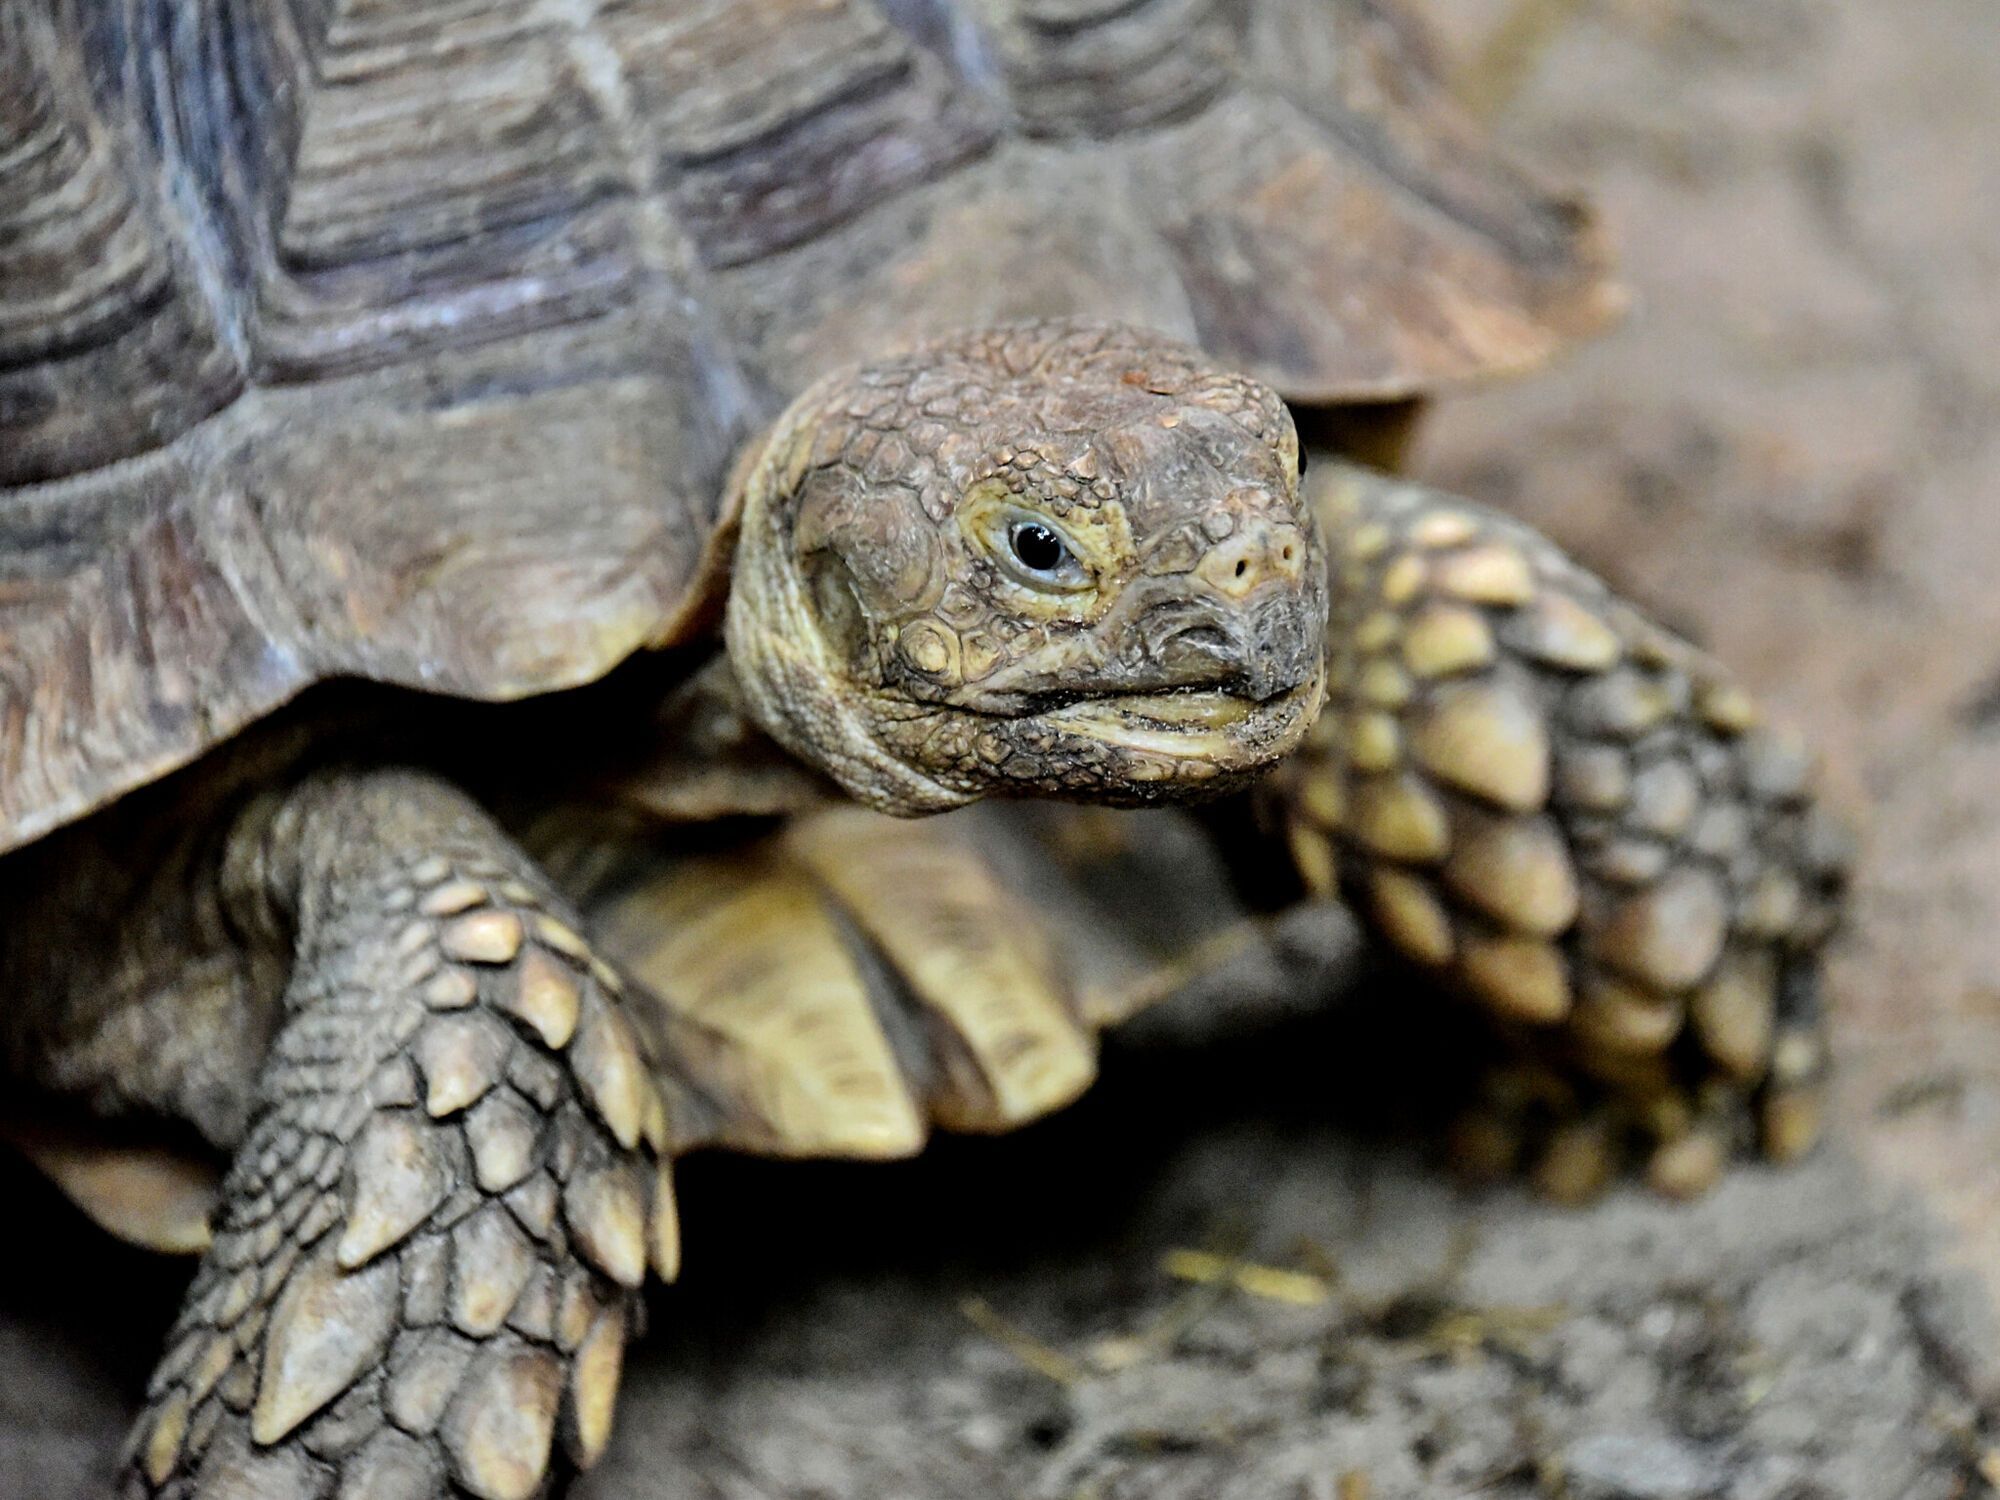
1789, 452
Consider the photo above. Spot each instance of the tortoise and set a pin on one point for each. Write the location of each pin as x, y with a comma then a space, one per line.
451, 449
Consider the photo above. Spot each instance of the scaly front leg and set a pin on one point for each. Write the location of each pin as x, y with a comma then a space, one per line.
1574, 818
427, 1254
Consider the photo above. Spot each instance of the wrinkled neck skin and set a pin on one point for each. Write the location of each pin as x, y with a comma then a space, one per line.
1058, 559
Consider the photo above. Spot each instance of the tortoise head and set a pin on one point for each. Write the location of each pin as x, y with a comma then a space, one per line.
1057, 558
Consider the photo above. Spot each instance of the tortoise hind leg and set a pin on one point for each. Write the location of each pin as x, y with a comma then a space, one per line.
429, 1245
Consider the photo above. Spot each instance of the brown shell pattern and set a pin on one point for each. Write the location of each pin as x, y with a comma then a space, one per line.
414, 343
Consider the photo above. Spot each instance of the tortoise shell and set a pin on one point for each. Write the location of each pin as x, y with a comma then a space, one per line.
413, 343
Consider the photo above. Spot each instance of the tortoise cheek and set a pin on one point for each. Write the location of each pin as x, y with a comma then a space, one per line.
843, 623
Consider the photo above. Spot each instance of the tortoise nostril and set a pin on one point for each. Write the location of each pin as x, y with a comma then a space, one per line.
1256, 554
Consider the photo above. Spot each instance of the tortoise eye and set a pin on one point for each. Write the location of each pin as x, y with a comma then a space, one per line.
1037, 548
1034, 553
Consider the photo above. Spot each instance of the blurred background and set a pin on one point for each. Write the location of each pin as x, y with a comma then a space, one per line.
1238, 1271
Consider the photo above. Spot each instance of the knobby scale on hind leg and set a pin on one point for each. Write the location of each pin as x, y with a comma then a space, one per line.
1576, 819
426, 1257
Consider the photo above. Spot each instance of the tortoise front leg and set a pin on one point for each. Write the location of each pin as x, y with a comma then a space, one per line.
1575, 819
428, 1249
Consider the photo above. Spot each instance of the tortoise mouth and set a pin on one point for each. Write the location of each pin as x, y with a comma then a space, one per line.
1228, 731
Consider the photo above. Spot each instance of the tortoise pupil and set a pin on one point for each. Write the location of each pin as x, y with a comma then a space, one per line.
1038, 548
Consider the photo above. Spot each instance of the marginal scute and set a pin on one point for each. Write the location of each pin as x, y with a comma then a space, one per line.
547, 995
1374, 742
1665, 796
1522, 978
400, 1179
461, 1056
1411, 916
1734, 1013
1557, 630
1447, 639
1790, 1122
1323, 797
606, 1212
163, 1443
1773, 905
1688, 1167
663, 1225
1592, 778
1399, 817
606, 1061
593, 1388
500, 1429
502, 1132
161, 1197
425, 1379
392, 1466
484, 937
1493, 573
1516, 870
329, 1326
1443, 528
1489, 739
1383, 684
491, 1261
454, 989
1725, 707
1669, 935
1623, 703
1620, 1017
452, 898
1313, 857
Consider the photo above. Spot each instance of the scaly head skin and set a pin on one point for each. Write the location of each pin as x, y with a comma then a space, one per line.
1058, 558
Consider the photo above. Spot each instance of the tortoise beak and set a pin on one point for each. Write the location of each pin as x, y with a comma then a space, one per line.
1260, 652
1200, 741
